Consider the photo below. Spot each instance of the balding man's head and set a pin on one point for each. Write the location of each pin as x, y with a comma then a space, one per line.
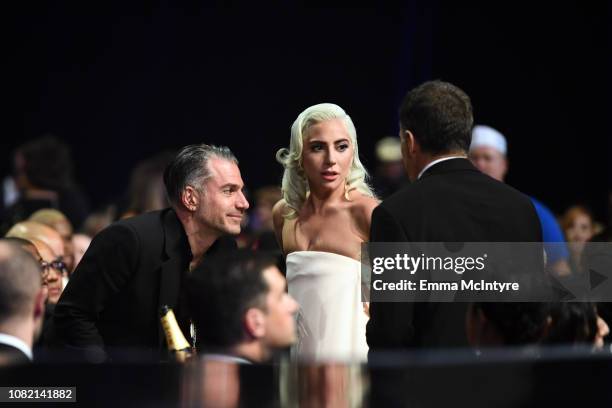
35, 230
27, 245
20, 282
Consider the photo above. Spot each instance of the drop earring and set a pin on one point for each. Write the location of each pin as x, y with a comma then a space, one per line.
346, 190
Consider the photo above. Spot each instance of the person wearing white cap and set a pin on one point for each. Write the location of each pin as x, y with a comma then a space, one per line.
488, 152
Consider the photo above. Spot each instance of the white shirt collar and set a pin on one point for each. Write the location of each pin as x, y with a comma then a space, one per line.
224, 358
438, 161
17, 343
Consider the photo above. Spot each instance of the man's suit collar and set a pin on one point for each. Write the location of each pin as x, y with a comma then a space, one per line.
176, 243
175, 238
174, 265
449, 166
176, 262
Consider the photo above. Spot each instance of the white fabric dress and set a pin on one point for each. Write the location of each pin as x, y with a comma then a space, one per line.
331, 320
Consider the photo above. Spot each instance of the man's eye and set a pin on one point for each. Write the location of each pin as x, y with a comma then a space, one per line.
227, 192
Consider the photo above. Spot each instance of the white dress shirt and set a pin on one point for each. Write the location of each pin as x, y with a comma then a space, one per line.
439, 161
17, 343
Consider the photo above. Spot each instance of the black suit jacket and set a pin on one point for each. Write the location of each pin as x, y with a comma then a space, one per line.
451, 202
130, 270
10, 356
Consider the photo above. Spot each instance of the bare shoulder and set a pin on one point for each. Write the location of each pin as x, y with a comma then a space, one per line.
278, 212
363, 204
361, 209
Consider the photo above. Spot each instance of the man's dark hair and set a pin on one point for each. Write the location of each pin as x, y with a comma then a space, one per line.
439, 115
573, 322
190, 167
48, 163
20, 278
221, 290
517, 323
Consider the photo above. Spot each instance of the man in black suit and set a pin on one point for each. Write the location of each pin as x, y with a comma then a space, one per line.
22, 304
139, 264
448, 200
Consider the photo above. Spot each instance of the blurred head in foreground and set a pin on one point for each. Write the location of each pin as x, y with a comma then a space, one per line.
491, 324
22, 302
240, 307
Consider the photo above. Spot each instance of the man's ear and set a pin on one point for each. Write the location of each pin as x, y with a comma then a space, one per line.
190, 198
254, 323
410, 143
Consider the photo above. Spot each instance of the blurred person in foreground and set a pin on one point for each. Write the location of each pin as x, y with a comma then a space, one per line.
488, 152
22, 299
139, 264
53, 271
241, 309
521, 324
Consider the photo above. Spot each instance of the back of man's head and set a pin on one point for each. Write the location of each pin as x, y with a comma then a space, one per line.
20, 282
439, 115
31, 230
221, 290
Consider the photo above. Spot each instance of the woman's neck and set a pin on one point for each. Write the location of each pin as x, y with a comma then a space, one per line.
317, 201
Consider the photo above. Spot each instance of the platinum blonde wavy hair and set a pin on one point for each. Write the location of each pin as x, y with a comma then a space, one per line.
295, 185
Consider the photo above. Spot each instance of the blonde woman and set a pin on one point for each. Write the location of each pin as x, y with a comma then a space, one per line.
320, 224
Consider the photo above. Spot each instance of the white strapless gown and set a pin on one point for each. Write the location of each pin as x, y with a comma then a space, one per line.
331, 320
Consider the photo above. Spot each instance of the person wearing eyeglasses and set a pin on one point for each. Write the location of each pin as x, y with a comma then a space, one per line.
58, 221
52, 271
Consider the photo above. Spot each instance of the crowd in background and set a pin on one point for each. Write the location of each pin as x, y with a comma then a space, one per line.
45, 211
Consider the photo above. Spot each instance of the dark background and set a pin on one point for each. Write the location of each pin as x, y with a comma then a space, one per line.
122, 82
